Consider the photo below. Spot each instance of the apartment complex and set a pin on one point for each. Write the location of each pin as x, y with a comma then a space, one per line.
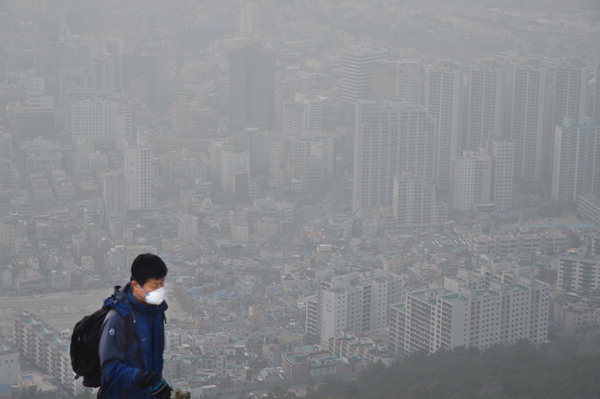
504, 244
47, 350
471, 311
358, 302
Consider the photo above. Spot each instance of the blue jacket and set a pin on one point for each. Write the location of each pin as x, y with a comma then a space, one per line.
120, 365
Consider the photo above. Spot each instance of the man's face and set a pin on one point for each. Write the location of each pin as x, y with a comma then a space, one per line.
150, 285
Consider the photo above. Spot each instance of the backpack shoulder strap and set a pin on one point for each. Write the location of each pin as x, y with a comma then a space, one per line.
131, 334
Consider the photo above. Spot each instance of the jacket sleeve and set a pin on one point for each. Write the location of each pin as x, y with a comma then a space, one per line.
112, 353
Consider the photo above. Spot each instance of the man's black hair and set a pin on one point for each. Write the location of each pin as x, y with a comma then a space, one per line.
147, 266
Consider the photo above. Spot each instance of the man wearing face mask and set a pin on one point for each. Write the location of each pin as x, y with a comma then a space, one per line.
132, 341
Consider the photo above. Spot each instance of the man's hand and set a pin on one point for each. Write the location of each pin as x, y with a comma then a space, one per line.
157, 386
162, 390
146, 379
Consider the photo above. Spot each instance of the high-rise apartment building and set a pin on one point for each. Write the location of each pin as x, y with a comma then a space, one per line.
414, 203
443, 101
250, 19
398, 81
596, 109
503, 163
357, 73
570, 80
471, 180
252, 88
484, 102
579, 273
409, 83
305, 114
114, 197
471, 311
138, 177
187, 229
390, 139
529, 118
358, 302
576, 161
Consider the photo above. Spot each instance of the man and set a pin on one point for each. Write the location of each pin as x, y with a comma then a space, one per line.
132, 341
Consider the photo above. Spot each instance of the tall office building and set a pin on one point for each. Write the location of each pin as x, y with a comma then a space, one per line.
33, 117
530, 118
358, 302
235, 171
443, 101
570, 80
414, 203
312, 160
93, 119
596, 110
484, 102
357, 73
398, 81
471, 180
138, 177
306, 114
251, 19
114, 197
252, 88
471, 311
124, 131
576, 161
390, 139
409, 83
503, 163
6, 145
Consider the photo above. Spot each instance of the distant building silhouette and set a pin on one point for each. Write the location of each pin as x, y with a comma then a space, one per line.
251, 88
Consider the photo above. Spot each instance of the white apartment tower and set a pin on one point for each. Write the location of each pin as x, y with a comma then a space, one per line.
471, 180
357, 71
484, 102
138, 177
443, 101
359, 302
390, 139
570, 80
503, 163
529, 118
474, 312
414, 203
576, 161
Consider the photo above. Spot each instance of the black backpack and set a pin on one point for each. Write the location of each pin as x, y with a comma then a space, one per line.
86, 340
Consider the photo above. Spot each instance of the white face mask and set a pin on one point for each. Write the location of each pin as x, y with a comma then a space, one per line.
155, 297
